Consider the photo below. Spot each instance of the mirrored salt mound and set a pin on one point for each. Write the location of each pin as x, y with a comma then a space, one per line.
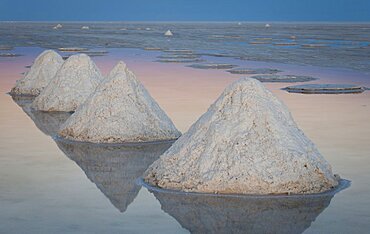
47, 122
212, 66
120, 110
73, 83
243, 214
283, 78
179, 60
39, 76
248, 71
115, 168
246, 143
325, 89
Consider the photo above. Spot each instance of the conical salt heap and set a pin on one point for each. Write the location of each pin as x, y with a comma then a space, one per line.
246, 143
73, 83
120, 110
41, 73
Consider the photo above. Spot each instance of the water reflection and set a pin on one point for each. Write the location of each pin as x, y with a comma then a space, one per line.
216, 214
114, 168
48, 122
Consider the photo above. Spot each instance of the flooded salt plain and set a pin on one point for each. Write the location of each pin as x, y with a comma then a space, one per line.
52, 186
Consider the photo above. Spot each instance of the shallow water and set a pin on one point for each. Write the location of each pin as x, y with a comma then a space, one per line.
334, 45
50, 186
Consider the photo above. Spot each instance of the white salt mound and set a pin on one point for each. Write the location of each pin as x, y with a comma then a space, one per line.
168, 33
246, 143
120, 110
73, 83
41, 73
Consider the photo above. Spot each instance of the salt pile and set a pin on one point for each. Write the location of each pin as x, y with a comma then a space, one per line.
168, 33
85, 27
58, 26
120, 110
41, 73
72, 84
246, 143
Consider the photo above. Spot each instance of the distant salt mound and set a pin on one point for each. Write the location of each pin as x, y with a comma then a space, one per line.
246, 143
58, 26
85, 27
73, 83
41, 73
168, 33
120, 110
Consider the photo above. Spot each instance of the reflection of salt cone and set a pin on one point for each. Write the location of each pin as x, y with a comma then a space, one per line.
214, 214
114, 169
48, 122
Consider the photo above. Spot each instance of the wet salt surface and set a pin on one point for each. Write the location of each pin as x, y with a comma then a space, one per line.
44, 190
321, 44
212, 66
283, 78
253, 71
325, 89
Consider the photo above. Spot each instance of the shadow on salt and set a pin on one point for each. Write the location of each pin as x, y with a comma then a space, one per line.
213, 213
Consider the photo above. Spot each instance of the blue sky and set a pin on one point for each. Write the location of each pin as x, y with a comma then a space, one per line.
185, 10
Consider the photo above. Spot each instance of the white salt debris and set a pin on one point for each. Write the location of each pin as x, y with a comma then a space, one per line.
73, 83
267, 25
246, 143
168, 33
41, 73
121, 110
85, 27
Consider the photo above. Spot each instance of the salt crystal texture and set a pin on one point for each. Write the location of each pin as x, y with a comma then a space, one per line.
246, 143
41, 73
120, 110
73, 83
